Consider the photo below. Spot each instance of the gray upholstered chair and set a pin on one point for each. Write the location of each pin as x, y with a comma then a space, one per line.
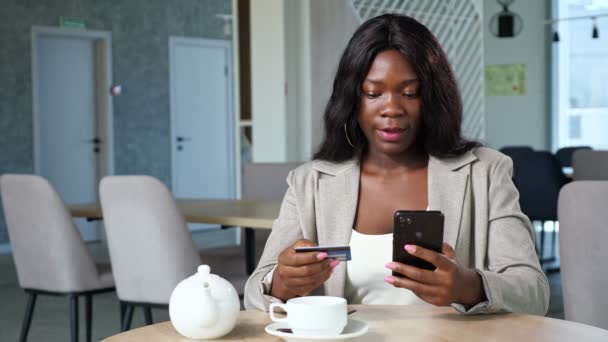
583, 221
266, 181
590, 165
150, 246
262, 181
564, 154
50, 256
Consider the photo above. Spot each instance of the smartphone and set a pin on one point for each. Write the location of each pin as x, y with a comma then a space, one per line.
417, 227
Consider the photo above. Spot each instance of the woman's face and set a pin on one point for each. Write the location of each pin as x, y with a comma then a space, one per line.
390, 104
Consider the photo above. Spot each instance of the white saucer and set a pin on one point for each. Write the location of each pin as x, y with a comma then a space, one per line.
353, 329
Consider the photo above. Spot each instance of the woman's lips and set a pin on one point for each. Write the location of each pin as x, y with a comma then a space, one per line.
391, 134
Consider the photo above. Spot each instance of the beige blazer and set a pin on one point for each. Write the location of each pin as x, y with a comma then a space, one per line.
483, 222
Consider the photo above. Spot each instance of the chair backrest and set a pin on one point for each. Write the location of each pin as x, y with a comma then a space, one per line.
48, 250
538, 180
150, 246
508, 150
516, 153
583, 230
590, 165
266, 181
564, 154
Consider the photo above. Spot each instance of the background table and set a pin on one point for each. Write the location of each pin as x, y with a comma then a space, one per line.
227, 213
405, 323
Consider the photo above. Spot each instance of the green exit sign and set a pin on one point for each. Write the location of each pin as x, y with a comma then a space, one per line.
74, 22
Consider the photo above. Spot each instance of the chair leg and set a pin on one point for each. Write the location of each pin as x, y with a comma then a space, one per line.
27, 318
74, 317
249, 250
123, 308
542, 240
126, 324
148, 314
554, 233
541, 249
88, 310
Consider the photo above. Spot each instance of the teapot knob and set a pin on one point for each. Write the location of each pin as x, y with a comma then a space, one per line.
204, 269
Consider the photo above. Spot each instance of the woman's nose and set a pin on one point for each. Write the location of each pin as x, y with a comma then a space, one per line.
393, 107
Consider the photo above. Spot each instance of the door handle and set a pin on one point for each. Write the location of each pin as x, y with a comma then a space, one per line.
95, 141
182, 139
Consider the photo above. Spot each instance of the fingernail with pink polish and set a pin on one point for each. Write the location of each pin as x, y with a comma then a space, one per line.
321, 255
389, 280
390, 265
410, 248
334, 263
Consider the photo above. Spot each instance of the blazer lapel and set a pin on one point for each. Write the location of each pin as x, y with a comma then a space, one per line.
338, 196
448, 179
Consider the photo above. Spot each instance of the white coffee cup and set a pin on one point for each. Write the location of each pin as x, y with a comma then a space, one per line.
313, 315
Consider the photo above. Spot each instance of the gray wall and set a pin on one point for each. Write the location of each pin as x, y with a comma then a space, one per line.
525, 119
140, 31
332, 25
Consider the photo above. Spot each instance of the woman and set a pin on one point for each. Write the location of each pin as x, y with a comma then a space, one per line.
393, 142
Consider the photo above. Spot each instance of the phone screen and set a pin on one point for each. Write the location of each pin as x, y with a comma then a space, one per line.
420, 228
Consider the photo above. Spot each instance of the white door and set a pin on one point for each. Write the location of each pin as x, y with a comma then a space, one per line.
202, 119
65, 118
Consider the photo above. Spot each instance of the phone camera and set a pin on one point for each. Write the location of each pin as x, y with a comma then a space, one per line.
405, 221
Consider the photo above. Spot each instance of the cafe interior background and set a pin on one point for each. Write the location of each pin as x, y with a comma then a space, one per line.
190, 91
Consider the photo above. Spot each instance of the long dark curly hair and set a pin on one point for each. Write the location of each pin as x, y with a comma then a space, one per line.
441, 105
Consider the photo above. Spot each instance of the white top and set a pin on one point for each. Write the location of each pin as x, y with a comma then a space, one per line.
366, 271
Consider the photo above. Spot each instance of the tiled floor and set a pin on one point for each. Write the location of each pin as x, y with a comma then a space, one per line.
51, 317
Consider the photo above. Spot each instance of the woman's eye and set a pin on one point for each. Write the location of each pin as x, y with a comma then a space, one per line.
410, 95
372, 95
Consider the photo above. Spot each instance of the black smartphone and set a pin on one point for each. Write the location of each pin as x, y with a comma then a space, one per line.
417, 227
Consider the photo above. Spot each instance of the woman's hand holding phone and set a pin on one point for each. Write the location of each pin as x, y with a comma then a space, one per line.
450, 282
298, 274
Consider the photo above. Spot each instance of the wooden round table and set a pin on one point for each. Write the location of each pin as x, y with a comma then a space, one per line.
405, 323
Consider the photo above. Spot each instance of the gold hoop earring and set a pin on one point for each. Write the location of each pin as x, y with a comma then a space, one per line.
347, 139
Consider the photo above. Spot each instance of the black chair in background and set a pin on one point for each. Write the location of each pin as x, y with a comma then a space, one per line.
510, 150
517, 154
564, 154
539, 178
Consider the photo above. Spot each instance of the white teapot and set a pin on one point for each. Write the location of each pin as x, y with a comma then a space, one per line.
204, 306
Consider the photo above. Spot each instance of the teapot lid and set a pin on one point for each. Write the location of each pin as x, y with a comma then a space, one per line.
203, 274
209, 280
204, 270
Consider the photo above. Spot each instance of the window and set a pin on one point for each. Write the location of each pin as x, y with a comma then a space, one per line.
580, 75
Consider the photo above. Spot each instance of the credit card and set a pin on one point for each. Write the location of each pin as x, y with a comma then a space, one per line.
341, 253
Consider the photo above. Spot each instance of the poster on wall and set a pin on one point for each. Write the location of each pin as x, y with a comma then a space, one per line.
505, 79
